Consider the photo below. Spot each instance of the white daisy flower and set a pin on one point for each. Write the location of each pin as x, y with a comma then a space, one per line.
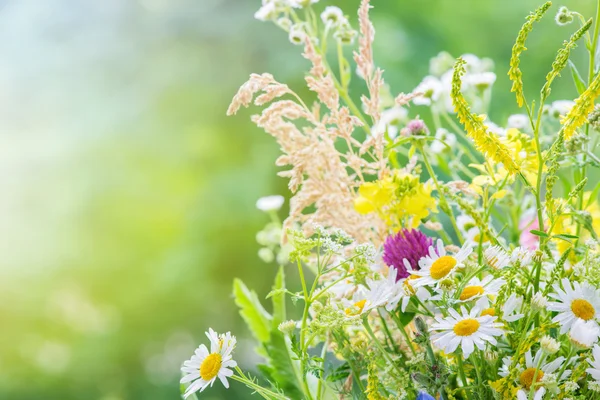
473, 63
438, 265
496, 257
521, 255
494, 128
270, 203
332, 16
466, 330
560, 108
297, 34
385, 292
465, 223
538, 368
480, 80
431, 89
409, 290
518, 121
524, 395
268, 11
390, 122
443, 138
595, 364
301, 3
205, 367
580, 301
584, 334
480, 289
511, 308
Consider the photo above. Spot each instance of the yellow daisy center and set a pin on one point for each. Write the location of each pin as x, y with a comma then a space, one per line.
471, 291
407, 284
583, 309
526, 378
442, 267
210, 366
466, 327
356, 308
489, 311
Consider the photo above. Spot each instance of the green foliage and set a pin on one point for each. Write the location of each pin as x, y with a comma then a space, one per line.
255, 316
280, 366
278, 299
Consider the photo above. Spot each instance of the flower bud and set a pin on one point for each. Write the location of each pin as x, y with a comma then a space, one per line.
549, 345
287, 327
564, 16
538, 302
416, 127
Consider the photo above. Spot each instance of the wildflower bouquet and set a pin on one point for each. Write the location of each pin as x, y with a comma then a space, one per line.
452, 260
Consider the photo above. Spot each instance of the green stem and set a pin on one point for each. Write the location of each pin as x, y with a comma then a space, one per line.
591, 74
378, 344
303, 330
320, 384
443, 201
461, 373
535, 373
403, 332
264, 392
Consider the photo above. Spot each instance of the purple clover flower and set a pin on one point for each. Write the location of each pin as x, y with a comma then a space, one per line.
409, 244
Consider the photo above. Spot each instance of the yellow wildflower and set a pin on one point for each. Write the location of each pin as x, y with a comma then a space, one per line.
584, 105
515, 74
400, 199
567, 225
373, 196
485, 141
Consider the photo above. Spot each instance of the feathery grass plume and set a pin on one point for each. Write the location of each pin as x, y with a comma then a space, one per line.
486, 142
584, 105
515, 74
560, 62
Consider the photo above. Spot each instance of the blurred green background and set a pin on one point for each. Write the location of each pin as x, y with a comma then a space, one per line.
127, 200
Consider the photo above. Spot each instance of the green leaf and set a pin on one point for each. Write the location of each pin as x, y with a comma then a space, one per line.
278, 299
280, 366
579, 84
406, 317
593, 196
538, 233
256, 317
566, 238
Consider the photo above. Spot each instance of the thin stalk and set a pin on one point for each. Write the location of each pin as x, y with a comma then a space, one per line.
535, 373
591, 75
242, 378
378, 344
461, 373
406, 337
303, 330
444, 202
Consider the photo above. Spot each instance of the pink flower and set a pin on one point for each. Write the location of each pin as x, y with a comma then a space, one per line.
529, 222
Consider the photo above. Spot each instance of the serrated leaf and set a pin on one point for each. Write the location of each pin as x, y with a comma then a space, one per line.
577, 79
280, 365
278, 299
339, 374
253, 313
538, 233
